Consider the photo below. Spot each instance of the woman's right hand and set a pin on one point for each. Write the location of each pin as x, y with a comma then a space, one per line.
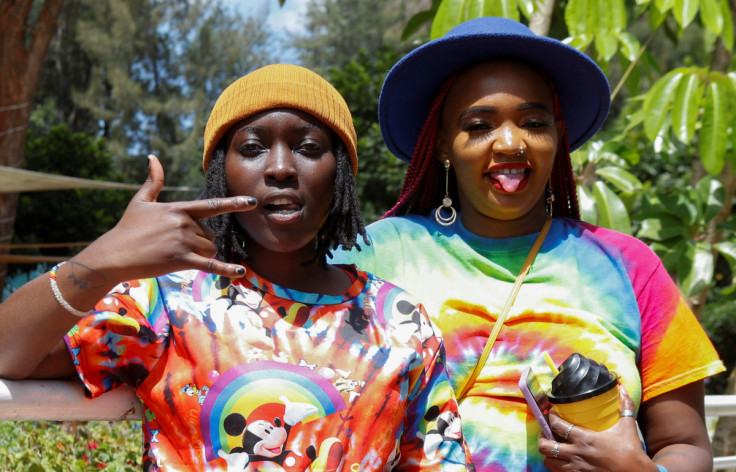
151, 239
154, 238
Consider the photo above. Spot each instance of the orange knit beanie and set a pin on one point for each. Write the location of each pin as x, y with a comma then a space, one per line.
280, 86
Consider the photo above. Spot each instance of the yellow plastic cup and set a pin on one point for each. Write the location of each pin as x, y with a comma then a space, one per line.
596, 413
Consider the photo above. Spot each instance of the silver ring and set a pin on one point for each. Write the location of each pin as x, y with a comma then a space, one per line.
569, 428
556, 450
630, 413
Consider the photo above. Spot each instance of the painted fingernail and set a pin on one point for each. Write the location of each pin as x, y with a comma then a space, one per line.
251, 200
240, 271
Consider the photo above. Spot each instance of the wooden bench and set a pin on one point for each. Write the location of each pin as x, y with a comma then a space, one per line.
61, 400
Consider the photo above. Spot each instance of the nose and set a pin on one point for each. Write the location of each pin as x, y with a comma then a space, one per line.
508, 140
280, 164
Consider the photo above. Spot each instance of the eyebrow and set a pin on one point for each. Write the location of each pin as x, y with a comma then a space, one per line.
523, 107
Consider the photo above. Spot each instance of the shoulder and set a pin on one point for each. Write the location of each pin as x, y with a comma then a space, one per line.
400, 225
610, 240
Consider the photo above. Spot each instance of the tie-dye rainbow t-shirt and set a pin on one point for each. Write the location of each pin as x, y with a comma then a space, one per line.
247, 375
593, 291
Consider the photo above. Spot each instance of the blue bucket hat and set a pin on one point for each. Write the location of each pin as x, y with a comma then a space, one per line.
411, 84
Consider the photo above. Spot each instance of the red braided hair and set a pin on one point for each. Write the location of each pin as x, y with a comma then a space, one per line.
422, 187
562, 178
423, 190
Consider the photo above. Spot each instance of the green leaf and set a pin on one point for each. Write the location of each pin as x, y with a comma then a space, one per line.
695, 270
612, 212
715, 125
670, 253
658, 100
727, 249
712, 15
629, 46
686, 106
416, 22
710, 196
449, 14
684, 11
661, 228
505, 8
664, 5
586, 203
727, 34
576, 17
526, 7
606, 44
620, 178
656, 18
681, 205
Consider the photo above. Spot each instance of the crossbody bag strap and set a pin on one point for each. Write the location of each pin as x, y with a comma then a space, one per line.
504, 313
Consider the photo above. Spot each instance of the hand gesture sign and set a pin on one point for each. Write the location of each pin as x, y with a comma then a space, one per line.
154, 238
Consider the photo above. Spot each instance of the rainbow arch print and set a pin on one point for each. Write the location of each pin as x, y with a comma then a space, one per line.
243, 388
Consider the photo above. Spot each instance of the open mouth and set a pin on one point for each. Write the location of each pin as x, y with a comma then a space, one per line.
283, 206
509, 180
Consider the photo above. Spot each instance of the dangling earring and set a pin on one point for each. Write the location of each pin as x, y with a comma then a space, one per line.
549, 208
446, 202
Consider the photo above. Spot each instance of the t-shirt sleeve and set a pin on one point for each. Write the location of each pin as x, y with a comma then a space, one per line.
107, 354
433, 439
675, 350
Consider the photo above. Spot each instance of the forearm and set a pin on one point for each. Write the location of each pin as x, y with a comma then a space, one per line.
34, 322
685, 458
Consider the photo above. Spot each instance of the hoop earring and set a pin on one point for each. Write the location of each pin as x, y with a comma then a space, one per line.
549, 207
446, 202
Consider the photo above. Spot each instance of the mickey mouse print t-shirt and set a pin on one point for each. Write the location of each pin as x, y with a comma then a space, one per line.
247, 375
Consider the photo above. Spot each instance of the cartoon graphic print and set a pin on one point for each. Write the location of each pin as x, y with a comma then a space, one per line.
265, 434
252, 413
446, 427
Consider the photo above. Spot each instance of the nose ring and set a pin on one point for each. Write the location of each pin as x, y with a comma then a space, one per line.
520, 152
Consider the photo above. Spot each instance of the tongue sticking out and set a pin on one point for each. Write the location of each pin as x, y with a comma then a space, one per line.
509, 182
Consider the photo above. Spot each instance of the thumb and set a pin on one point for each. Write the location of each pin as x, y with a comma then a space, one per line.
624, 399
151, 188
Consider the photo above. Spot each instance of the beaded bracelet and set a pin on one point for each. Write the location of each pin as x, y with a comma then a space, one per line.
57, 292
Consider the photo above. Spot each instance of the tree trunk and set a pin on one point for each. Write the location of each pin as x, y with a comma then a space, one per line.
23, 47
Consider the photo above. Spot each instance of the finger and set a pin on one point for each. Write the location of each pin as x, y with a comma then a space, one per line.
561, 428
199, 209
550, 449
151, 188
213, 266
626, 404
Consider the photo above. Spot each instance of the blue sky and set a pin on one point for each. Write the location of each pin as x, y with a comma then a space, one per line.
288, 19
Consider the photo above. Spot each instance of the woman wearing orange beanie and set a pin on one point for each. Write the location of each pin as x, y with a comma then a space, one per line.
264, 357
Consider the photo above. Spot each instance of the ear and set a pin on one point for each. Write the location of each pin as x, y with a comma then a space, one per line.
442, 149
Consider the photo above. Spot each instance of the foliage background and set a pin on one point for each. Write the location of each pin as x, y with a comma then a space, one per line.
122, 79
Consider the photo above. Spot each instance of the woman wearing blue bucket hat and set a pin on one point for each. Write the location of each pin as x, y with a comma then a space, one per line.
487, 234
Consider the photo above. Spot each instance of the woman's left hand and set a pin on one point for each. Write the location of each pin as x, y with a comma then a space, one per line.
577, 449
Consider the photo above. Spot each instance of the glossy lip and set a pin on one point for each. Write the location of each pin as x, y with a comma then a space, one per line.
282, 199
497, 168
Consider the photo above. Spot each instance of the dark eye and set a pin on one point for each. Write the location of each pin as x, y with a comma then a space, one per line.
476, 125
310, 149
536, 123
250, 149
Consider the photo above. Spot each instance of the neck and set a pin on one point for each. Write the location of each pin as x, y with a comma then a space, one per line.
496, 228
297, 271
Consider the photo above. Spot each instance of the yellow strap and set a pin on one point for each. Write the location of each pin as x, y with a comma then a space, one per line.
504, 313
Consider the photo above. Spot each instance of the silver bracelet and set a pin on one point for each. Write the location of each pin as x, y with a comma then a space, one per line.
57, 292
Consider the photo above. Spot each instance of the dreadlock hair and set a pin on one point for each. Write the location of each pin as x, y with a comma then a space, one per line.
342, 227
423, 189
